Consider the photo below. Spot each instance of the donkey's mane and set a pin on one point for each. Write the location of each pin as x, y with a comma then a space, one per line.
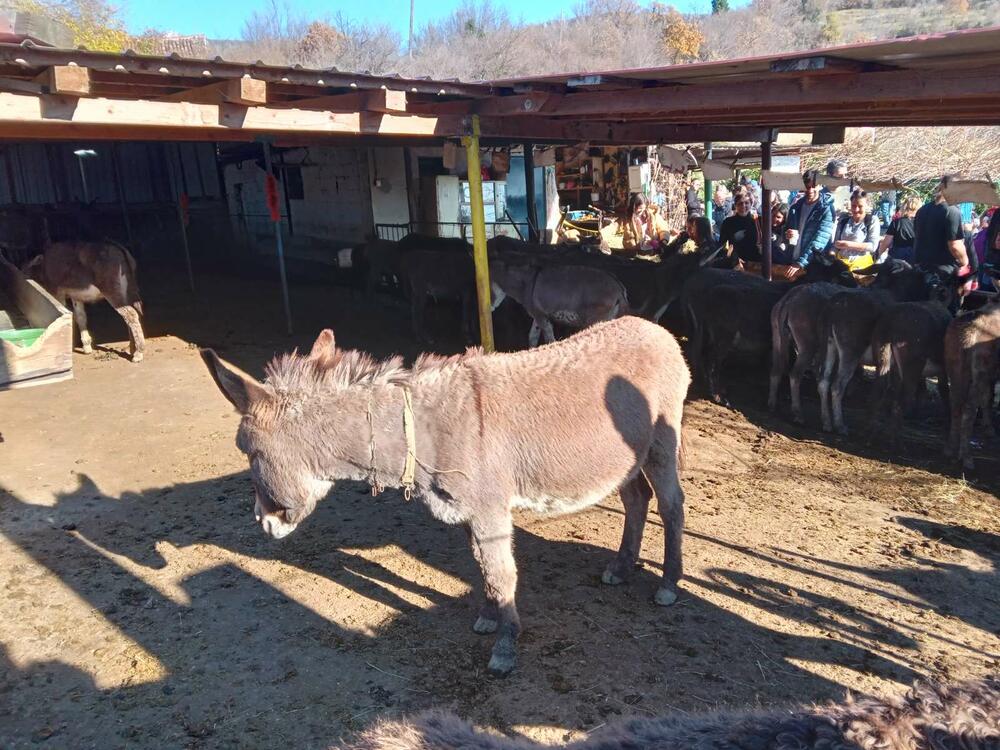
349, 367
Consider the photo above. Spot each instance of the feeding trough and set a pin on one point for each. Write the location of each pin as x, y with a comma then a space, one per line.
36, 333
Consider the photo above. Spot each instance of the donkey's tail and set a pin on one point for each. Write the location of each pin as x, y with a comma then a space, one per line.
129, 277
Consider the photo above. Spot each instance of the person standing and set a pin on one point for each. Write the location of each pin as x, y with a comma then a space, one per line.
899, 237
855, 240
837, 168
939, 244
886, 206
810, 224
693, 200
740, 230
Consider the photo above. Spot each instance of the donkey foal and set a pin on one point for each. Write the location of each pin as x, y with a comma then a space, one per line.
554, 429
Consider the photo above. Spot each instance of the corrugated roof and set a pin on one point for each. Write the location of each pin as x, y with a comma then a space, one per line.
915, 52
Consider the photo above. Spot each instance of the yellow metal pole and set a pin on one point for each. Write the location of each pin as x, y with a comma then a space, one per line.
471, 143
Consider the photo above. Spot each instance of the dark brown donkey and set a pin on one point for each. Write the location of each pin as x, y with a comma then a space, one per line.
88, 272
554, 429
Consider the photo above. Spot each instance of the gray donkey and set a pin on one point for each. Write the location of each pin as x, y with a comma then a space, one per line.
554, 429
930, 716
576, 296
87, 272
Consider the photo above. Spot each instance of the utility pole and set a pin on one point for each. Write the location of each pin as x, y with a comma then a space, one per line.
409, 43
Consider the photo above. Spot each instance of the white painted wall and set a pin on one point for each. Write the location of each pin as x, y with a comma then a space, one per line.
336, 203
390, 203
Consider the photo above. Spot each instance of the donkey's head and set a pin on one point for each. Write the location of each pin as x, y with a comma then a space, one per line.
286, 479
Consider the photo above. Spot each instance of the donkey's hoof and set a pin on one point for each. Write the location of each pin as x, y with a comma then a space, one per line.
137, 357
798, 419
87, 349
665, 597
485, 626
611, 579
501, 665
841, 430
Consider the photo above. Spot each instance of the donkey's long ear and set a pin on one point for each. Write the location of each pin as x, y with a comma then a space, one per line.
324, 348
241, 390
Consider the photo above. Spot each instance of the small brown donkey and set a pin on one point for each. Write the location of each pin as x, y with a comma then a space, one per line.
554, 429
87, 272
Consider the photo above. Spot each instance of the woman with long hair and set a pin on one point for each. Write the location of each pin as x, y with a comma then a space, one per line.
644, 229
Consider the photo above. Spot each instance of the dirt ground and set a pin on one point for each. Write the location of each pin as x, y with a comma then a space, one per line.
142, 608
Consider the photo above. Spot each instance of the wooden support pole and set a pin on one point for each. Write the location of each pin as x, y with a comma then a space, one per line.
529, 191
708, 189
765, 212
471, 143
279, 242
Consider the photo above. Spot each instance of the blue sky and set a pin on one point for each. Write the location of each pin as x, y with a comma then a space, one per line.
224, 18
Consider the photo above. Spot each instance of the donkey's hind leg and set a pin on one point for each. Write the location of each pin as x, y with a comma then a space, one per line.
137, 342
80, 314
635, 495
661, 470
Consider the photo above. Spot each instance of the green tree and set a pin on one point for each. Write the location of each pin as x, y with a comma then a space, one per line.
719, 6
95, 24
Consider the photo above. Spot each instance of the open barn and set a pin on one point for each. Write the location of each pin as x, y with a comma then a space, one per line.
144, 607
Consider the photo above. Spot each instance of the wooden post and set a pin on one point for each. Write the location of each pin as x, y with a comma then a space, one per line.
529, 191
471, 143
280, 246
708, 188
116, 163
765, 211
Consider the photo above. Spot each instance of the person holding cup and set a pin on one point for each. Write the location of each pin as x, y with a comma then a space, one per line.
809, 225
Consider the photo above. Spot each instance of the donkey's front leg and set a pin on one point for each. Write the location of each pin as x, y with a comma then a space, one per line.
492, 545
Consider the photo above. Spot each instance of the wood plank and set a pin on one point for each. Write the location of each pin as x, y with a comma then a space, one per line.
829, 91
67, 80
23, 115
380, 100
249, 92
818, 64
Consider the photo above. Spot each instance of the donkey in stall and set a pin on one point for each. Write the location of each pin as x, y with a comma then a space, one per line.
972, 359
554, 430
440, 274
88, 272
575, 296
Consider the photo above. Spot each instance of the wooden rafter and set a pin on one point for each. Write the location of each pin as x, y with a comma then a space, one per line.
67, 80
249, 92
379, 100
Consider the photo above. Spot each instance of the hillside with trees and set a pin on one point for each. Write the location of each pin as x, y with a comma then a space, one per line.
480, 40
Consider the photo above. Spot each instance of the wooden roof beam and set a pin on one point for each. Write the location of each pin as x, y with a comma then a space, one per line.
32, 116
379, 100
250, 92
818, 64
828, 91
65, 80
